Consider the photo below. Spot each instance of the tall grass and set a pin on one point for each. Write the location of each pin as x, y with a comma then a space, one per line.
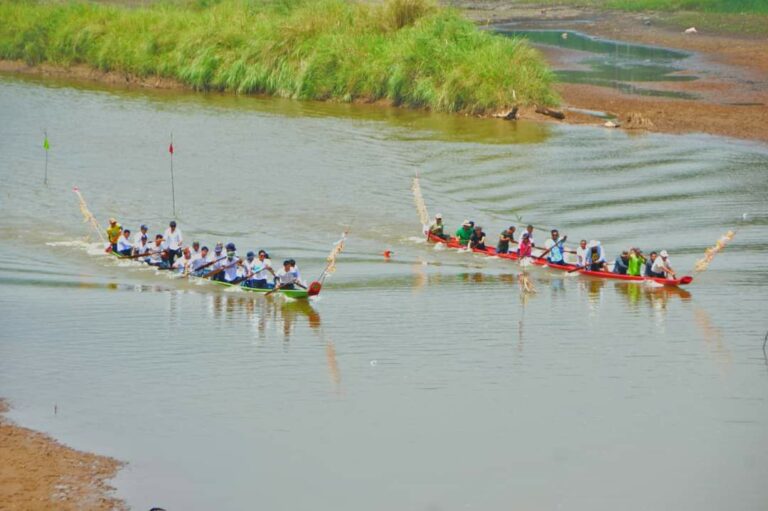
410, 52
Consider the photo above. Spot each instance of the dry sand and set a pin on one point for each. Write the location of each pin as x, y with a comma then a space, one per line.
38, 473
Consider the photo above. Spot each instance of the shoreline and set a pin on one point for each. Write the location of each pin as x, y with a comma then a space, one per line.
733, 92
733, 89
38, 472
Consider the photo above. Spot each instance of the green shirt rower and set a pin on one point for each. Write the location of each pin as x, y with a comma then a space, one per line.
636, 260
464, 232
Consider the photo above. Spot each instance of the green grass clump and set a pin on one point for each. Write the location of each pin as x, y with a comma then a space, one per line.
410, 52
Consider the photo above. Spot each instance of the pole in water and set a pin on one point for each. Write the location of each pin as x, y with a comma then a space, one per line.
173, 188
46, 146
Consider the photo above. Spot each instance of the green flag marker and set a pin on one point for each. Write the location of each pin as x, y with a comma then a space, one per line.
46, 145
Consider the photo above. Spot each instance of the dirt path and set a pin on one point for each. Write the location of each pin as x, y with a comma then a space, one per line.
38, 473
733, 92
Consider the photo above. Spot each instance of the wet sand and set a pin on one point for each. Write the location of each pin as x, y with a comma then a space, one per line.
733, 93
38, 473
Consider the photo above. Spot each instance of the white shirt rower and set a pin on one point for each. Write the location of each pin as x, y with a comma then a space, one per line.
138, 235
173, 237
200, 259
184, 263
143, 247
156, 251
124, 244
261, 267
581, 253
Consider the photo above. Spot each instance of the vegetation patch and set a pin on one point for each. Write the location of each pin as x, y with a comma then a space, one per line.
407, 52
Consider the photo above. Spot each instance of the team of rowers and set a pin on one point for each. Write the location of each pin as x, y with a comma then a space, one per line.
589, 255
169, 253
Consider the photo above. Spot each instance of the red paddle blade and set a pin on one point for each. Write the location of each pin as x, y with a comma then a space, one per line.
314, 288
686, 280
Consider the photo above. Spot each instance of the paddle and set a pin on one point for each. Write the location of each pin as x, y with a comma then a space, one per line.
219, 270
558, 242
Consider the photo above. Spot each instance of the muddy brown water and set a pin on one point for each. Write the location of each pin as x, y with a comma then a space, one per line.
421, 382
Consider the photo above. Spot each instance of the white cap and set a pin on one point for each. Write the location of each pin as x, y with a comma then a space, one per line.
466, 222
593, 243
439, 216
663, 253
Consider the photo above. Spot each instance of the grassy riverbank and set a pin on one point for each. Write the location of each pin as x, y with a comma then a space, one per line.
407, 52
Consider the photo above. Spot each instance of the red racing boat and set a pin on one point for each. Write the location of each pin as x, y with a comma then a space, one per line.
539, 261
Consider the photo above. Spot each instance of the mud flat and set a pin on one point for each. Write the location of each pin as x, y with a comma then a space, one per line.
39, 473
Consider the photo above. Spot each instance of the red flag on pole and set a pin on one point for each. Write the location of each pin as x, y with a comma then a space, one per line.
170, 148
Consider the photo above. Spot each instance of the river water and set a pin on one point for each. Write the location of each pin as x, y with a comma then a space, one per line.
422, 382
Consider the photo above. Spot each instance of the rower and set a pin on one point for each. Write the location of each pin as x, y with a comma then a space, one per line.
143, 247
174, 240
464, 233
124, 246
525, 245
195, 248
287, 277
113, 233
636, 260
506, 237
437, 228
158, 254
595, 256
184, 264
477, 240
228, 265
529, 230
137, 237
581, 253
199, 261
621, 265
662, 267
261, 270
554, 248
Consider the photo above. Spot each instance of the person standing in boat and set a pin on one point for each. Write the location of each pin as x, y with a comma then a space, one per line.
662, 266
554, 248
464, 233
529, 230
506, 237
124, 247
477, 239
287, 277
437, 228
636, 260
595, 257
621, 265
525, 246
581, 254
113, 233
175, 240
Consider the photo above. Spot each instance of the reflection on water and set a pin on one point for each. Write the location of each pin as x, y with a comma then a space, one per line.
264, 313
435, 346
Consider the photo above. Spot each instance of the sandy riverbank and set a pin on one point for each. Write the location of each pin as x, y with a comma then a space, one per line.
733, 91
38, 473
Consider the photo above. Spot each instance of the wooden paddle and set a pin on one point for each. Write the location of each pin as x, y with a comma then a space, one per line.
219, 270
558, 242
